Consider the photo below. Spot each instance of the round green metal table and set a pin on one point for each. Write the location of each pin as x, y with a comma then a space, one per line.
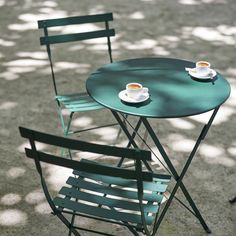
173, 93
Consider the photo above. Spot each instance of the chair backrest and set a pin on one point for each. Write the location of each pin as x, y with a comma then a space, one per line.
48, 39
40, 156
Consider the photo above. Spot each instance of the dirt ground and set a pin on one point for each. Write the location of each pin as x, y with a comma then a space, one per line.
187, 29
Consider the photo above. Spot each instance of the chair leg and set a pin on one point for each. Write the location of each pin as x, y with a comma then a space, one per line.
233, 200
120, 129
66, 130
67, 223
71, 224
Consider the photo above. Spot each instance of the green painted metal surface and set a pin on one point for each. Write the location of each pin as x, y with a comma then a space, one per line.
76, 37
173, 92
150, 186
74, 102
101, 212
100, 190
78, 102
103, 200
75, 20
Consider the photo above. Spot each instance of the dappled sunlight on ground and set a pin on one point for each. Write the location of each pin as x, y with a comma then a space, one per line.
43, 208
83, 121
181, 123
2, 2
13, 217
87, 155
157, 157
10, 199
39, 146
34, 55
63, 65
26, 63
161, 51
223, 115
35, 196
214, 34
197, 2
140, 45
37, 199
5, 43
189, 29
8, 105
106, 134
216, 155
183, 145
57, 176
9, 75
15, 172
217, 35
232, 150
138, 15
21, 66
78, 28
29, 23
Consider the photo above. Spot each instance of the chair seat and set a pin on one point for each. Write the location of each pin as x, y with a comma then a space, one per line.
111, 198
78, 102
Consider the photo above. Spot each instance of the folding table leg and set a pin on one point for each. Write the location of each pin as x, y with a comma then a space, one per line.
130, 137
178, 178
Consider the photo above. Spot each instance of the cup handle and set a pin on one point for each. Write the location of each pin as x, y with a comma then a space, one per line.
145, 90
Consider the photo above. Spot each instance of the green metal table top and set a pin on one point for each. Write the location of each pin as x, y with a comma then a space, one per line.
173, 92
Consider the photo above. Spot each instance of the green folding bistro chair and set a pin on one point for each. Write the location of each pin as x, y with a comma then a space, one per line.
75, 102
128, 197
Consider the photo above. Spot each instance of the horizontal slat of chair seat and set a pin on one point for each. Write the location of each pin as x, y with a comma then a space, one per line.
74, 97
161, 178
149, 186
118, 192
100, 212
54, 39
75, 20
107, 201
83, 107
78, 102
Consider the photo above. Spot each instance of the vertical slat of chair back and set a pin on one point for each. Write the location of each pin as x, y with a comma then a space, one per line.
50, 61
35, 154
109, 42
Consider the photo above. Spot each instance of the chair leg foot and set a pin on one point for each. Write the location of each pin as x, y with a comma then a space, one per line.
208, 230
233, 200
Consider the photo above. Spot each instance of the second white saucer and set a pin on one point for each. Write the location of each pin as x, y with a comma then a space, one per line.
194, 74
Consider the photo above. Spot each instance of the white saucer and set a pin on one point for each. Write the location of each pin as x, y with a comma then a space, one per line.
194, 74
123, 96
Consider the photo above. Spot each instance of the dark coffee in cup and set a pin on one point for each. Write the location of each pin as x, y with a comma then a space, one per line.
134, 86
203, 64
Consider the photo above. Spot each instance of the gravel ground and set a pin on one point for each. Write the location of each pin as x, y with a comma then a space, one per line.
187, 29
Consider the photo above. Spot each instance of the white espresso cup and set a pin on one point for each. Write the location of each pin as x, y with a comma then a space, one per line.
203, 67
135, 90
